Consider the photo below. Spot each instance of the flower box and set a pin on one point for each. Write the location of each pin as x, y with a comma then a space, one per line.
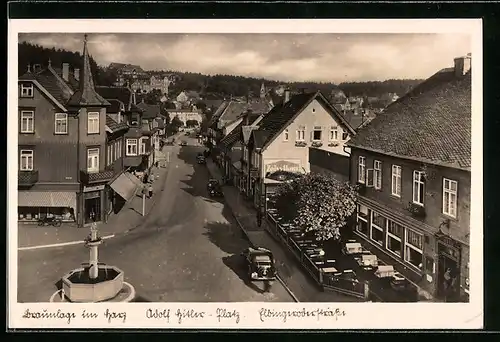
300, 144
317, 144
333, 144
416, 210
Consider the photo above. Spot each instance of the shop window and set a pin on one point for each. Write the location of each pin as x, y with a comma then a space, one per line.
394, 237
378, 224
413, 248
362, 221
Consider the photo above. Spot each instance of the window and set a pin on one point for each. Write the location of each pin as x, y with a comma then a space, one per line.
377, 170
450, 197
109, 157
142, 148
120, 148
345, 135
93, 160
418, 187
27, 121
301, 133
93, 123
334, 133
285, 135
27, 90
413, 248
377, 227
26, 160
362, 220
117, 151
317, 133
131, 147
361, 169
394, 235
396, 180
61, 123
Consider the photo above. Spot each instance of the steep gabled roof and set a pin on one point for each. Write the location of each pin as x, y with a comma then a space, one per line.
86, 94
122, 94
281, 115
149, 111
215, 117
431, 123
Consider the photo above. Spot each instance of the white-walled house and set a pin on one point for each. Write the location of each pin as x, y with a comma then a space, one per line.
281, 146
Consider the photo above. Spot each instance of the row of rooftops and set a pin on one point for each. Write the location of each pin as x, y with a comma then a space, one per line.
71, 91
430, 124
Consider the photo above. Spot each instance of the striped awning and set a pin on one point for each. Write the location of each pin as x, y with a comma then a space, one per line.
46, 199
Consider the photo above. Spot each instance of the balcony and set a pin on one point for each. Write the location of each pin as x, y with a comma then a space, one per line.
96, 177
27, 178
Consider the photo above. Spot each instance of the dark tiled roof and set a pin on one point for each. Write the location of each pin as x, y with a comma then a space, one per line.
150, 111
236, 109
135, 108
115, 106
431, 123
72, 81
354, 119
215, 117
122, 94
49, 81
280, 115
260, 137
230, 139
115, 126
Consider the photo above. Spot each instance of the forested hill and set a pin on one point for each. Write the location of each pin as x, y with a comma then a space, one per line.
218, 84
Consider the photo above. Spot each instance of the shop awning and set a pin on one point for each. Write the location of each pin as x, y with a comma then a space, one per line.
125, 186
60, 199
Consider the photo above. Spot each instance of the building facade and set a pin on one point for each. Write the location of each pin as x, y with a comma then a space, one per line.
280, 145
414, 178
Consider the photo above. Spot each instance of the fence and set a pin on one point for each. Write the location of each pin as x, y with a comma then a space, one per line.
350, 287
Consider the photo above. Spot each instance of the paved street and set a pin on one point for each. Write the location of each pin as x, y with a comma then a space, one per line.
187, 250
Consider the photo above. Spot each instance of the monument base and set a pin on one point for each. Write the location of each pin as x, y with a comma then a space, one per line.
127, 294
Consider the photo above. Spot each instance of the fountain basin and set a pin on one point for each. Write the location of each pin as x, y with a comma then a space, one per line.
78, 287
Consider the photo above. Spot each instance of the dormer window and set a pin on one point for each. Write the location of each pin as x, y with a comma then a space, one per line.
26, 89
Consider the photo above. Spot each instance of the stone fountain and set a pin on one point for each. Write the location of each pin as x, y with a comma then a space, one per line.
94, 281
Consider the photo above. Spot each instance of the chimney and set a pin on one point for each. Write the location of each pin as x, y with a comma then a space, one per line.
77, 74
287, 95
65, 71
462, 65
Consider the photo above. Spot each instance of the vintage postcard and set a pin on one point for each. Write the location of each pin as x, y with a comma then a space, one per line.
245, 174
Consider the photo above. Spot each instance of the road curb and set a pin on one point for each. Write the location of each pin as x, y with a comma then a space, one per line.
282, 282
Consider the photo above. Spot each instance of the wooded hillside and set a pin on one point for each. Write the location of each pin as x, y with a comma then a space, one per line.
222, 85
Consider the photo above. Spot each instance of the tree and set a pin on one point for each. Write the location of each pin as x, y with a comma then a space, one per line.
318, 204
153, 97
176, 123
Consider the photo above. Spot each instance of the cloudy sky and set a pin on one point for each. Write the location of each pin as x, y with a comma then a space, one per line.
286, 57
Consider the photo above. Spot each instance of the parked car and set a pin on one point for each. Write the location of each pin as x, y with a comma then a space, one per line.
183, 143
215, 191
212, 182
260, 264
200, 158
49, 221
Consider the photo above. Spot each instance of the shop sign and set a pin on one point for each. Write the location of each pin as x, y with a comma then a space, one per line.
283, 165
93, 188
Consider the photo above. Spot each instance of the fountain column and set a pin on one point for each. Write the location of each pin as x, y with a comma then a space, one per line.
93, 243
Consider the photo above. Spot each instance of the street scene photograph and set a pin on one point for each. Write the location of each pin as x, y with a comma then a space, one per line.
243, 167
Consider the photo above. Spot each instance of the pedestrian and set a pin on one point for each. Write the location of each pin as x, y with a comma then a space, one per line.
152, 178
145, 179
259, 218
150, 191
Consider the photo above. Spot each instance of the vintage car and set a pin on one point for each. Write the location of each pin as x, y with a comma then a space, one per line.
212, 182
260, 264
183, 143
200, 158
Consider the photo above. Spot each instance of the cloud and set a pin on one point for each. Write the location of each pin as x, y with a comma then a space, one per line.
287, 57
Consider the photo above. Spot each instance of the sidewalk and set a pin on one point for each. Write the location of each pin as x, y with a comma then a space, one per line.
289, 269
129, 218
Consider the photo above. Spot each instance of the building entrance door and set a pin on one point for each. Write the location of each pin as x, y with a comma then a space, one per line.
92, 210
448, 275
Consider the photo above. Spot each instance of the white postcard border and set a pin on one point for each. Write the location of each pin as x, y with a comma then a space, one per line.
357, 315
